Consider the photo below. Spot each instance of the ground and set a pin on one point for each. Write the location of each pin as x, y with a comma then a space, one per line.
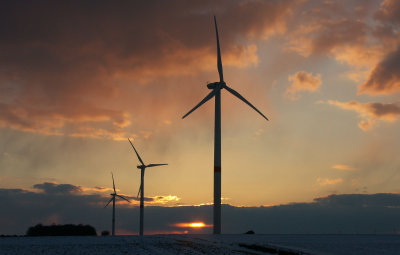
205, 244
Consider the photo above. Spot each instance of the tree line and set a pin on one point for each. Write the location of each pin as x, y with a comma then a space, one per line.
61, 230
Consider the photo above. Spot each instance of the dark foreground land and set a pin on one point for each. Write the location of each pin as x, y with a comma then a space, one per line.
205, 244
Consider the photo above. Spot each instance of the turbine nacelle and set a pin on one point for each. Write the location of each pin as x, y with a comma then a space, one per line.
215, 85
140, 167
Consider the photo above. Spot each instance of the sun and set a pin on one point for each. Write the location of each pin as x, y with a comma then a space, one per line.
196, 224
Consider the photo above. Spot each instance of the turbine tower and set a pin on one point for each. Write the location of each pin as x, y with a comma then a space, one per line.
142, 168
113, 195
216, 88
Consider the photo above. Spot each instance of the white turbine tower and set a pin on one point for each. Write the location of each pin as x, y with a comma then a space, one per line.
113, 195
142, 168
216, 88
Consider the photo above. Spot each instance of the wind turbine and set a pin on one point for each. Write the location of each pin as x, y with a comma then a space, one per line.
142, 168
216, 88
113, 196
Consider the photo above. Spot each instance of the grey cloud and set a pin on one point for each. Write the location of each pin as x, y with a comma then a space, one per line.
54, 188
385, 77
348, 213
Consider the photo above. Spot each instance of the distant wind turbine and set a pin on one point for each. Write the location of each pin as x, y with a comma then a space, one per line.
113, 196
142, 168
216, 88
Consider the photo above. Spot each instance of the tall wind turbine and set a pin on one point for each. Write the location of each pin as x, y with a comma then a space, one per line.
216, 88
142, 168
113, 196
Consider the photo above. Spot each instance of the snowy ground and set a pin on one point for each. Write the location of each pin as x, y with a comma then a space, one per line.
205, 244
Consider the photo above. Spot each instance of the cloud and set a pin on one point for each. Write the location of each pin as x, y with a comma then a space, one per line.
343, 167
101, 189
385, 77
302, 81
54, 188
332, 27
323, 36
346, 214
358, 33
65, 72
161, 200
326, 181
370, 112
361, 200
389, 12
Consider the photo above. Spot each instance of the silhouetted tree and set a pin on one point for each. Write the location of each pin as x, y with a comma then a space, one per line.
61, 230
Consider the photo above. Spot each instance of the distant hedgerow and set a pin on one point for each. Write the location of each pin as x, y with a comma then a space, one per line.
61, 230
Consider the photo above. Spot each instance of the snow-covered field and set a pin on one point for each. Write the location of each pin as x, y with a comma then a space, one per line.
205, 244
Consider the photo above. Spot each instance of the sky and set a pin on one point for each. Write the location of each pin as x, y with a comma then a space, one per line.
78, 78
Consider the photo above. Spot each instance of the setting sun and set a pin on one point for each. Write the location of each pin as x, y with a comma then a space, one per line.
191, 225
197, 225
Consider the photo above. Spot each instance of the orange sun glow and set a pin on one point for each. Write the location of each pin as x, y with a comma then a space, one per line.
191, 225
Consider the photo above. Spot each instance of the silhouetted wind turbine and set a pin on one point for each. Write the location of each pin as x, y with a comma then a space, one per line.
216, 92
113, 195
142, 168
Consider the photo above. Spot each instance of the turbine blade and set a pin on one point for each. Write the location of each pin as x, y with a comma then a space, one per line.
208, 97
140, 188
109, 202
113, 181
123, 198
141, 161
151, 165
244, 100
219, 61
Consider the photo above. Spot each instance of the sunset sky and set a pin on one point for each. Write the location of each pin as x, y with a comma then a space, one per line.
77, 78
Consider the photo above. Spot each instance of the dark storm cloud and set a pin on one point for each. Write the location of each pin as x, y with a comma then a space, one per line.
348, 213
61, 61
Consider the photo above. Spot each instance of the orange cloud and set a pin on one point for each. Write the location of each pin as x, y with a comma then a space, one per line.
159, 200
343, 167
302, 81
344, 31
66, 74
389, 12
97, 189
322, 35
385, 77
77, 119
326, 181
370, 112
164, 199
